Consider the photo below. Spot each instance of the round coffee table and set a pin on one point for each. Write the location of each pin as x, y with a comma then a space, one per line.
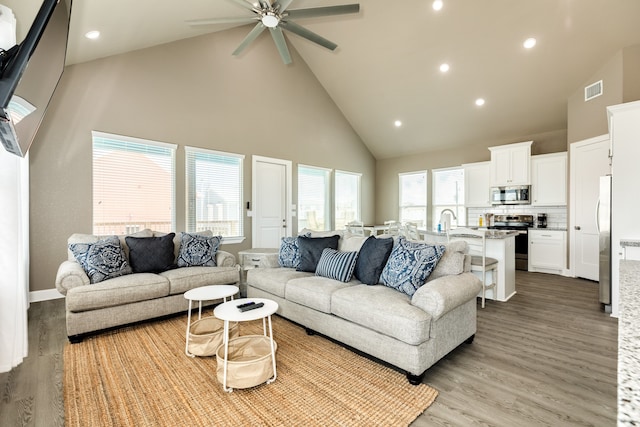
229, 312
206, 293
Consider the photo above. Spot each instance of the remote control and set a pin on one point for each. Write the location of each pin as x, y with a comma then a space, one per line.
251, 307
246, 304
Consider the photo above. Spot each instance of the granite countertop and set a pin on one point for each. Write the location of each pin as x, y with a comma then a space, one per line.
548, 228
491, 234
629, 344
629, 242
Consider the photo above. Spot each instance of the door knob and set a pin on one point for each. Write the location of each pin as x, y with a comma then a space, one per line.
576, 227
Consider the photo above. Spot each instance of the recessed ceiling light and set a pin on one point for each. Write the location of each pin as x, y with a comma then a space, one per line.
444, 68
397, 123
529, 43
479, 102
437, 5
92, 34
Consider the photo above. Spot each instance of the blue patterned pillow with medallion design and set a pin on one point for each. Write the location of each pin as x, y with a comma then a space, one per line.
198, 251
289, 254
101, 260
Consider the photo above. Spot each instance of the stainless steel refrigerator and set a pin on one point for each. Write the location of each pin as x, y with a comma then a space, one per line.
603, 216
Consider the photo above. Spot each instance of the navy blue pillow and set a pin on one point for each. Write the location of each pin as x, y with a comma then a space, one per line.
372, 258
311, 250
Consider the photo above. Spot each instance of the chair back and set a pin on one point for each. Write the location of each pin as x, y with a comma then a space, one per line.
393, 227
356, 227
411, 231
476, 240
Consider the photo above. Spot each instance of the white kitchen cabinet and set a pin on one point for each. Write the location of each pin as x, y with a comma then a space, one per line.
549, 179
511, 164
477, 185
547, 251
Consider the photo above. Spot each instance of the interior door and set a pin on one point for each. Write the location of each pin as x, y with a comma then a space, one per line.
271, 196
589, 161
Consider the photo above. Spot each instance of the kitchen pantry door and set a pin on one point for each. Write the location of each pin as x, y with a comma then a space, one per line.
271, 195
589, 161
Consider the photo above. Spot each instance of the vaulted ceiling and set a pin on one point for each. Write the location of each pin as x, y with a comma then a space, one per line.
386, 66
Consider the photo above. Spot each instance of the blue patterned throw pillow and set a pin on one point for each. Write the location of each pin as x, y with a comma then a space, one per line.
410, 264
101, 260
198, 251
336, 265
289, 254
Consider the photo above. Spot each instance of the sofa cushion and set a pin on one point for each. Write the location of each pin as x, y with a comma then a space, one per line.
314, 291
273, 280
350, 242
383, 310
151, 254
197, 250
336, 265
409, 265
101, 260
185, 278
372, 259
311, 249
117, 291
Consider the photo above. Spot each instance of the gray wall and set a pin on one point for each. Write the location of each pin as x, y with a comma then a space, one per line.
191, 92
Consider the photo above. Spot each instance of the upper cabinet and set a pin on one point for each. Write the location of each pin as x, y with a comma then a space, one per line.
477, 183
549, 179
510, 164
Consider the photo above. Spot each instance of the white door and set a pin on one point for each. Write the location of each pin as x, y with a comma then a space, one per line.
271, 196
589, 161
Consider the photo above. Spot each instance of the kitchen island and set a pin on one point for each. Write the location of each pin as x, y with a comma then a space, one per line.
501, 246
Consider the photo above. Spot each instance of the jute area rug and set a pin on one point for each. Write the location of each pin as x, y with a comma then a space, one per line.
140, 376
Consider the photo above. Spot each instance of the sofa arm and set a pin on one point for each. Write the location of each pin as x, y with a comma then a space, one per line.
225, 259
442, 295
70, 275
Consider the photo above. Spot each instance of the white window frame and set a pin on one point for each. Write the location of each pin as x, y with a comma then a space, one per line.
190, 202
327, 198
358, 198
136, 224
458, 208
403, 205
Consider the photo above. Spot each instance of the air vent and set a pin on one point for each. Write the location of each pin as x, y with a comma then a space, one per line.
593, 91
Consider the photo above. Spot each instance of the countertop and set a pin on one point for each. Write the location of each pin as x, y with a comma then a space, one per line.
629, 344
491, 234
548, 228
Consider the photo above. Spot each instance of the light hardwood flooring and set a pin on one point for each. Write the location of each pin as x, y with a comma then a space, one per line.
545, 358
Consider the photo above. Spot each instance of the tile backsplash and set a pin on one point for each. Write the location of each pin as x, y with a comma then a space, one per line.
556, 215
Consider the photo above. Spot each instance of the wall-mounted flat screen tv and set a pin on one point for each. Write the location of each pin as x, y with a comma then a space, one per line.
29, 74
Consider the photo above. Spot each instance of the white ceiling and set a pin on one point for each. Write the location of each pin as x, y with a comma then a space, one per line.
386, 65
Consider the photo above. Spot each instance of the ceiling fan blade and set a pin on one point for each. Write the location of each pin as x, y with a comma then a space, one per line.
284, 4
257, 30
309, 35
230, 20
281, 44
324, 11
245, 3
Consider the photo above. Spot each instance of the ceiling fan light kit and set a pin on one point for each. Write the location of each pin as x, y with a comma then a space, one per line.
275, 16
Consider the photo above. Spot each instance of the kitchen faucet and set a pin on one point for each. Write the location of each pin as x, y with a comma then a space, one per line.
452, 214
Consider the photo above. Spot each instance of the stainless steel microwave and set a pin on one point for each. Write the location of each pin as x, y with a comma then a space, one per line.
515, 195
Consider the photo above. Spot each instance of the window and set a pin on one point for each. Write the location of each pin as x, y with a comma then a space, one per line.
133, 185
313, 198
214, 193
347, 195
413, 198
448, 193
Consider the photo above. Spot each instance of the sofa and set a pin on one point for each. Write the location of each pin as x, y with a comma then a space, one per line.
409, 332
110, 281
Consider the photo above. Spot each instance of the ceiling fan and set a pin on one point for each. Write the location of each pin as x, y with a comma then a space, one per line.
274, 15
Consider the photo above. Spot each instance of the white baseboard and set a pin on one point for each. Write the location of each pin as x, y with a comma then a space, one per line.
45, 295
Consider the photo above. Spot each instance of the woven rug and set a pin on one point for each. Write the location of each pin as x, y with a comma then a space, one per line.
140, 376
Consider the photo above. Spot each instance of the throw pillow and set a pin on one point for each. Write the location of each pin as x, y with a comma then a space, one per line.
452, 262
101, 260
409, 265
372, 259
198, 251
151, 254
336, 265
289, 254
311, 250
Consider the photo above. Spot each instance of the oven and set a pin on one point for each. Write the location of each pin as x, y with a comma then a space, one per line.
521, 224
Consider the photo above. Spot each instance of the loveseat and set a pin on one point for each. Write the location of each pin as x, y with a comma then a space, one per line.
410, 332
110, 281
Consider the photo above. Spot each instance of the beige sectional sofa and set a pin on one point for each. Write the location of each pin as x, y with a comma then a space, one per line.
409, 332
132, 297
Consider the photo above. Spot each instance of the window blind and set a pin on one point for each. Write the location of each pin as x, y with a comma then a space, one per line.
313, 198
413, 197
347, 198
448, 193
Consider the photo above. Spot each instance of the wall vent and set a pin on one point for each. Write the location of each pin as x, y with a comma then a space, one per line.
593, 91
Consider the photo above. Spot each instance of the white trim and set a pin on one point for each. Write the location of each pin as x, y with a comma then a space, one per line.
348, 173
215, 152
44, 295
98, 134
315, 167
290, 208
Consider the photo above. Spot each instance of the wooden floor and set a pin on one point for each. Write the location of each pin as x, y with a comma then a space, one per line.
545, 358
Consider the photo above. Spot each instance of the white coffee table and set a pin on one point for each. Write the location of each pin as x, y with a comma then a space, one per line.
206, 293
229, 312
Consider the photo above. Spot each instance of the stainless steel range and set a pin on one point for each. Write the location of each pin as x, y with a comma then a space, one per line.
520, 223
